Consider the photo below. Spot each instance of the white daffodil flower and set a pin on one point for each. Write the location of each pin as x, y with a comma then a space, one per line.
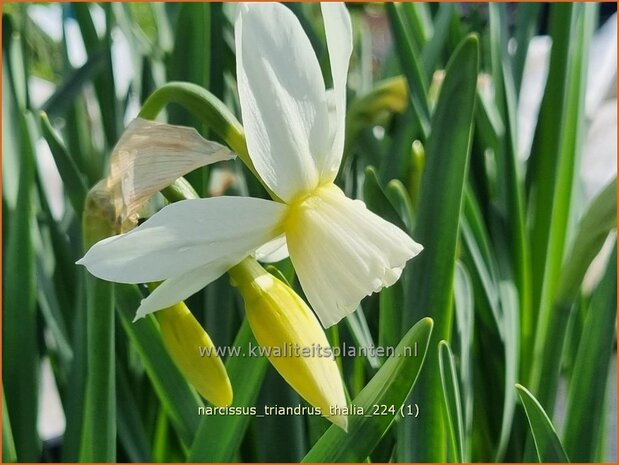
294, 128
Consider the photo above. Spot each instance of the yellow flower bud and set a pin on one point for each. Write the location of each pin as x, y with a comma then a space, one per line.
295, 342
194, 354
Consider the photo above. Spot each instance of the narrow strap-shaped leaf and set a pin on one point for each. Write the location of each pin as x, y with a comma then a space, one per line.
131, 432
430, 54
358, 326
593, 228
8, 446
514, 235
390, 387
552, 324
52, 314
588, 388
431, 274
390, 314
451, 395
418, 21
411, 65
190, 60
74, 403
104, 81
547, 443
402, 200
377, 201
13, 49
73, 181
20, 355
541, 175
510, 332
464, 309
73, 83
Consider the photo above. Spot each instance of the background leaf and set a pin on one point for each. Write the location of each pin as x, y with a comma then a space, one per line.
389, 387
549, 448
431, 274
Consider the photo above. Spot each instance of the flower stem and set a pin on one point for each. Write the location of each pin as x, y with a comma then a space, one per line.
208, 108
98, 440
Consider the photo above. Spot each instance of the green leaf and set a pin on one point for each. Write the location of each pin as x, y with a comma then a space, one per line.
8, 446
390, 314
551, 324
189, 61
451, 395
588, 388
543, 162
99, 427
432, 273
510, 232
220, 436
11, 138
13, 48
52, 314
178, 399
509, 331
593, 228
72, 84
376, 200
418, 22
431, 52
131, 431
20, 355
73, 181
547, 444
390, 387
411, 65
74, 403
402, 202
360, 331
464, 309
289, 430
104, 82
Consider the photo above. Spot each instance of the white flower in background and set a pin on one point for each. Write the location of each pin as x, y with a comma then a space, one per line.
598, 165
295, 135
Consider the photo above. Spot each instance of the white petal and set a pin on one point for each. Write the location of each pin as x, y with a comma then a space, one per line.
273, 251
180, 287
338, 30
150, 156
282, 96
342, 252
602, 72
184, 236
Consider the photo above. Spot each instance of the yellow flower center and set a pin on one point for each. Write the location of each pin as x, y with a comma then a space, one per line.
293, 221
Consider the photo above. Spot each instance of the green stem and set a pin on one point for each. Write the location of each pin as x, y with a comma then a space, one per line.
99, 428
211, 111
